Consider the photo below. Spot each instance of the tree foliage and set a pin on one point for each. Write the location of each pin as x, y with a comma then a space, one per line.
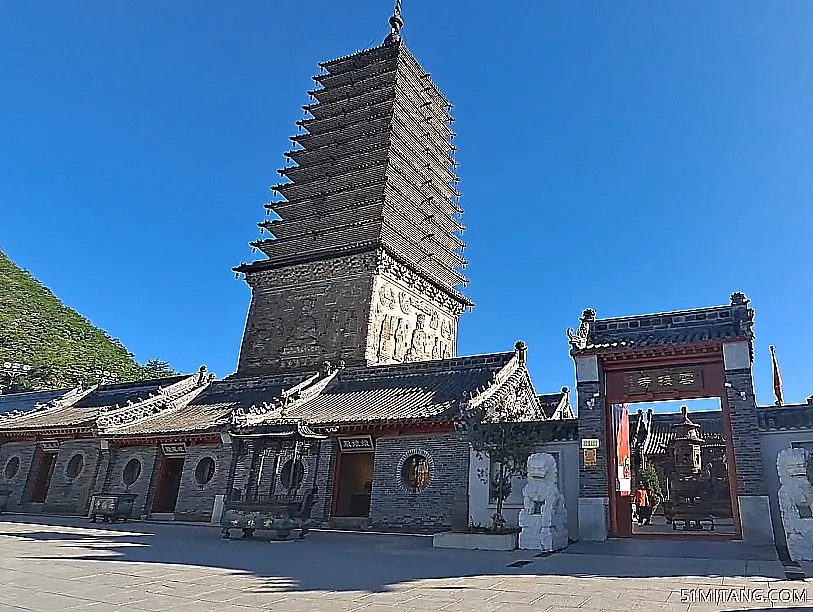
62, 346
648, 478
502, 434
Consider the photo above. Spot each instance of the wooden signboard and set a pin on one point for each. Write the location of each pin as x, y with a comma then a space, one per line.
50, 446
663, 380
174, 449
356, 444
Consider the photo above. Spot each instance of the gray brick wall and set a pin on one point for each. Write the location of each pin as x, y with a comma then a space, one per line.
24, 451
593, 479
745, 432
324, 480
114, 478
195, 501
68, 495
431, 509
305, 314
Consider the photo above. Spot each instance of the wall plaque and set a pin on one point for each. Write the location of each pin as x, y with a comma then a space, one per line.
356, 444
50, 446
174, 449
590, 457
590, 443
663, 380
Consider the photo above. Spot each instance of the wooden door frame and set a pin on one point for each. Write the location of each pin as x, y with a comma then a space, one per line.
334, 496
159, 482
713, 387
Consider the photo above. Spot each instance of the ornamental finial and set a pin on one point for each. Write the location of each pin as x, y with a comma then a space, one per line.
396, 23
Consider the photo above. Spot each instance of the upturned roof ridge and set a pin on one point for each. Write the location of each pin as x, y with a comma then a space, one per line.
177, 395
68, 399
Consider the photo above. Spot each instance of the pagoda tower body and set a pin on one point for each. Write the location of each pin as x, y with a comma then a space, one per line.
365, 259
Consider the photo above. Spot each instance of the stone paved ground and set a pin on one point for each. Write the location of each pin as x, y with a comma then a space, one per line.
50, 564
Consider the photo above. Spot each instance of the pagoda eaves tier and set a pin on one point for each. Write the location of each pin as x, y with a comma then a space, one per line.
375, 169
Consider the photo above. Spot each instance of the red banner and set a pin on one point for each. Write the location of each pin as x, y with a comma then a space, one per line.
622, 437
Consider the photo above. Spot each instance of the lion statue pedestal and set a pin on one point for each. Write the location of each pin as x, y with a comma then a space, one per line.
796, 502
544, 517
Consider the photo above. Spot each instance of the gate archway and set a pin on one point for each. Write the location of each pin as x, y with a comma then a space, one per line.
682, 355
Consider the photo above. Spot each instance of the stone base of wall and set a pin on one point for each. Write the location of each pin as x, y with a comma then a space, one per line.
593, 518
755, 513
194, 517
475, 541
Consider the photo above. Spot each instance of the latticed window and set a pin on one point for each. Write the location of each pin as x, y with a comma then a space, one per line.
416, 472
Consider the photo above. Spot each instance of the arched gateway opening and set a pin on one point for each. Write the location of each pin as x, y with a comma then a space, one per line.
679, 468
714, 481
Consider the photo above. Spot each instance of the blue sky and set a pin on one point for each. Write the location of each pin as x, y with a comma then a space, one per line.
631, 157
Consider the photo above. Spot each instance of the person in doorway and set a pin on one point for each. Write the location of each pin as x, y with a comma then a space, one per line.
643, 505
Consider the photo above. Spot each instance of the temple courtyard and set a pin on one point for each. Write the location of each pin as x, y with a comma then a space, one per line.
70, 564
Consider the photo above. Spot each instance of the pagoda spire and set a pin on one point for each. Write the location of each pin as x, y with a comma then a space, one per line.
396, 23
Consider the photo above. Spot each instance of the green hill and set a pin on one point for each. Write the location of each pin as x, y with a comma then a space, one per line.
60, 344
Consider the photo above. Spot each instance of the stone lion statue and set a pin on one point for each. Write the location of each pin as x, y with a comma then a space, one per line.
796, 502
544, 517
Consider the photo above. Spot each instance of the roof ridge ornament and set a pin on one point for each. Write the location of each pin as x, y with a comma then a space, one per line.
168, 398
578, 339
396, 23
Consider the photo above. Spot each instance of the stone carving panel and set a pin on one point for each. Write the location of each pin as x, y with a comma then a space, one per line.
300, 326
406, 328
315, 271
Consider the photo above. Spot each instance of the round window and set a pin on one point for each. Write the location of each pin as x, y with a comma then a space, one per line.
75, 466
416, 472
292, 474
205, 470
131, 472
12, 467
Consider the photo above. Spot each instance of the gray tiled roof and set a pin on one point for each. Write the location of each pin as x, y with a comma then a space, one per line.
110, 395
430, 390
551, 402
211, 409
733, 321
425, 390
85, 411
28, 401
680, 327
797, 416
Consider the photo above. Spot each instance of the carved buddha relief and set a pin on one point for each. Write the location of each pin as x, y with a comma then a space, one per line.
417, 349
407, 328
403, 302
401, 331
385, 348
304, 330
386, 296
